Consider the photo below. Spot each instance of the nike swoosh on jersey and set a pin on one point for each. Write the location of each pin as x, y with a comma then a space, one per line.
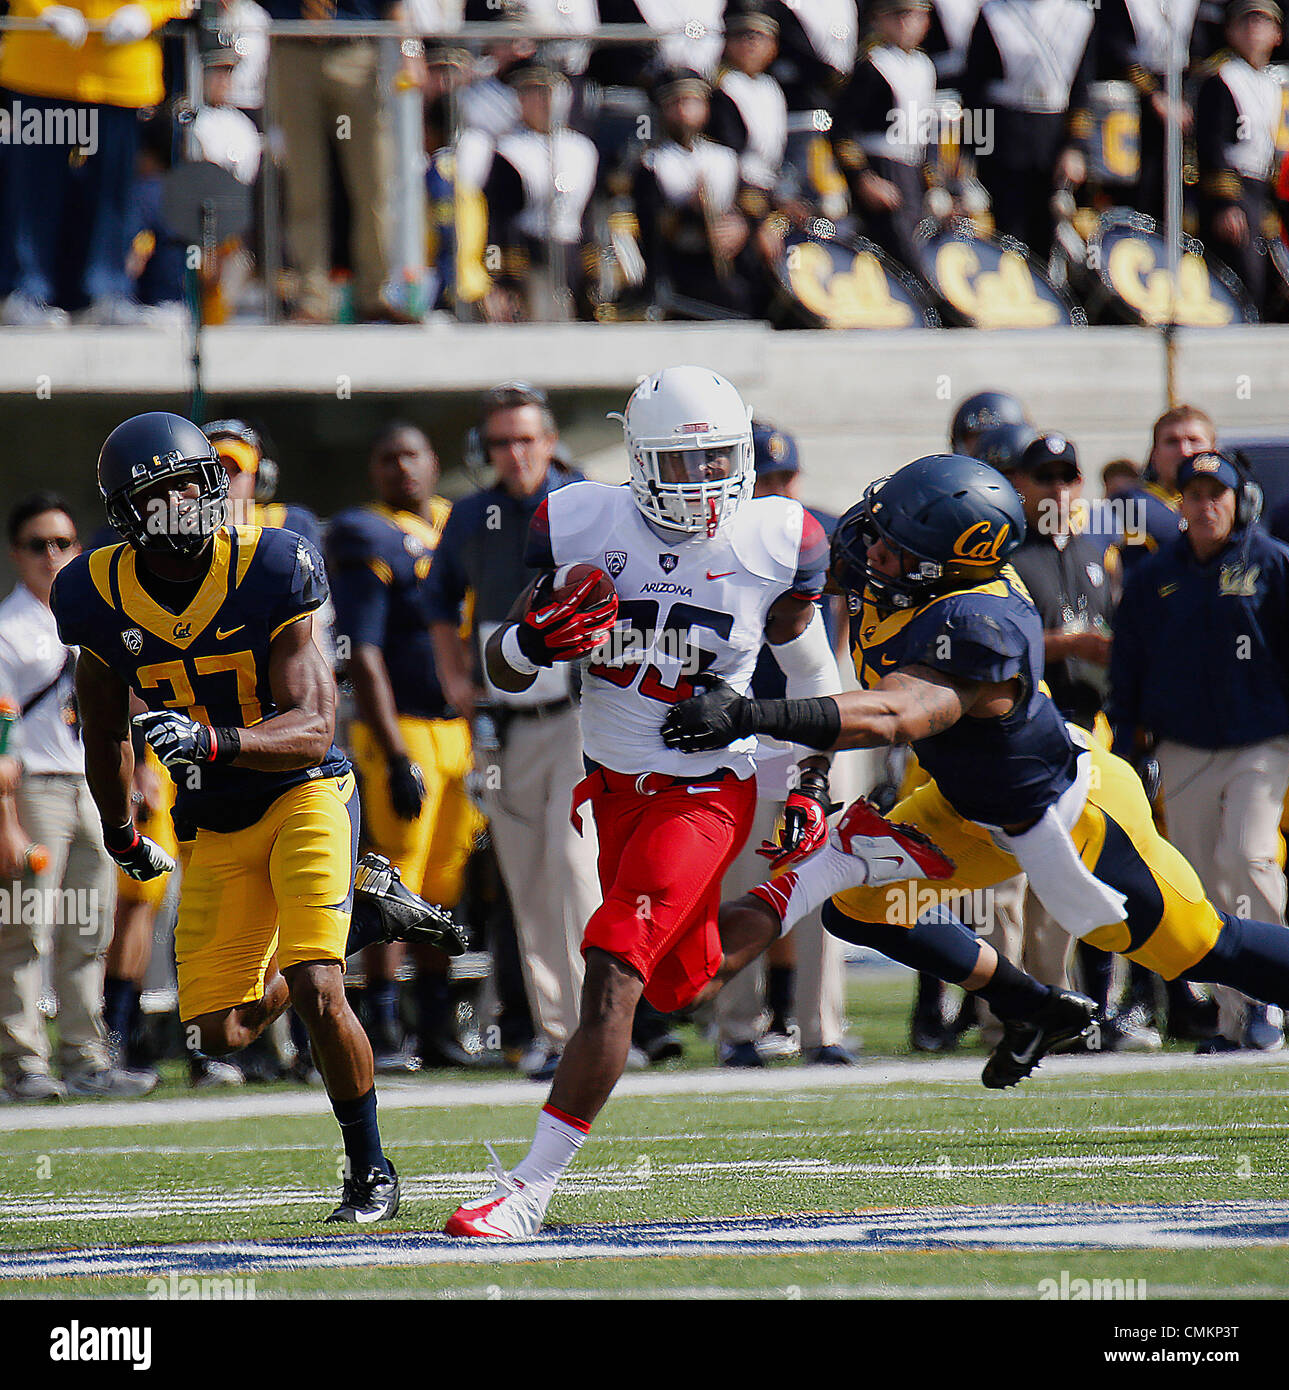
692, 790
887, 660
221, 633
725, 575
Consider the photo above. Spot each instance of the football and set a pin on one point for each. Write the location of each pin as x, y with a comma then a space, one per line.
567, 578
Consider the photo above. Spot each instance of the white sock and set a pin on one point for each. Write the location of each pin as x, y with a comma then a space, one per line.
554, 1147
811, 883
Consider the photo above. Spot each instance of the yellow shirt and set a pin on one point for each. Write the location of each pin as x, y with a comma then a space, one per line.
128, 74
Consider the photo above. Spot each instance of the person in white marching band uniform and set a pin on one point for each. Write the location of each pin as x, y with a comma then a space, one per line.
1133, 38
881, 124
538, 192
1238, 114
1031, 61
749, 112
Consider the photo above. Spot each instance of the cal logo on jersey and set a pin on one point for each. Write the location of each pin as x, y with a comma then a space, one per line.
978, 545
1235, 581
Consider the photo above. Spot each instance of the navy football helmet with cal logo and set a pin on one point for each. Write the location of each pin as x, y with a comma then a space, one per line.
954, 520
145, 466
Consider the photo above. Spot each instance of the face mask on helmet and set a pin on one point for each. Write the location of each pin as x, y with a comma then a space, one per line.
853, 572
689, 445
156, 515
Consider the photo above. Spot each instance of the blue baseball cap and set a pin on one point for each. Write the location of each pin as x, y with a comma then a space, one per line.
773, 451
1209, 465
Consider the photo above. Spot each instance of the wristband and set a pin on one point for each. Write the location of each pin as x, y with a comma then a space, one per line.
514, 656
120, 839
816, 722
225, 744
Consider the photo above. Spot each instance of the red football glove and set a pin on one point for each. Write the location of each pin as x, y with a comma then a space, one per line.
567, 628
805, 822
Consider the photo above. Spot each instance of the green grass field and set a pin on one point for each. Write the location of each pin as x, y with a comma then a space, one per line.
925, 1138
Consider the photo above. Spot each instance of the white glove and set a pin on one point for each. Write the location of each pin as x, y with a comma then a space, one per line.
129, 24
68, 24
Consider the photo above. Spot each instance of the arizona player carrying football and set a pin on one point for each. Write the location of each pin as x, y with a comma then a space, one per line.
211, 627
703, 574
949, 649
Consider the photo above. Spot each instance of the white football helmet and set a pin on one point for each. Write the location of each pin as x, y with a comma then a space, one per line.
689, 445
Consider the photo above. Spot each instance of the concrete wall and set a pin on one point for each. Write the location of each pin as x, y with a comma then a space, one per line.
861, 403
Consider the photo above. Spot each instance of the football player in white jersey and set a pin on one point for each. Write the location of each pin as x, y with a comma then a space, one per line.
703, 575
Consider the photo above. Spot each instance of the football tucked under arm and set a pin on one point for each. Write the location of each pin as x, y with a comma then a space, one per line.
568, 613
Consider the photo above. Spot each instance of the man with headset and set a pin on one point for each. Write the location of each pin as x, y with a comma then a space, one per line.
527, 780
1200, 668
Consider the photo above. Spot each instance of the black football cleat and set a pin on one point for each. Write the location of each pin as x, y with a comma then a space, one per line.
373, 1197
385, 910
1025, 1042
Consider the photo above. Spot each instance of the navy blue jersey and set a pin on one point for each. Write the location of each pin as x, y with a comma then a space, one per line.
211, 660
999, 771
380, 562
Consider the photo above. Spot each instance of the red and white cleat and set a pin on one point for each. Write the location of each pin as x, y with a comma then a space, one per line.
512, 1212
892, 852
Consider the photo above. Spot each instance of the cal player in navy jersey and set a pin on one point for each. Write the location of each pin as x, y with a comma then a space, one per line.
949, 650
211, 626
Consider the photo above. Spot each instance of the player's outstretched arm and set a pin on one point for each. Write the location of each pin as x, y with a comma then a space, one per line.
910, 704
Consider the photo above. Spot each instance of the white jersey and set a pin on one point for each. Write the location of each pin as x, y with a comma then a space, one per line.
692, 604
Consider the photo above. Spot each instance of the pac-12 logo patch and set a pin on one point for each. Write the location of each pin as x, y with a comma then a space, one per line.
133, 640
668, 562
615, 561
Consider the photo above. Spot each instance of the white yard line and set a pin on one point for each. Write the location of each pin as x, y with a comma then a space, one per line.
771, 1085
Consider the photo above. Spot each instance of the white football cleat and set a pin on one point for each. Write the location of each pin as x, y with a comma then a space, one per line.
512, 1212
893, 853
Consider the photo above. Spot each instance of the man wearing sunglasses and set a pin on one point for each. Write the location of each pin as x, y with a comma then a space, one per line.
45, 800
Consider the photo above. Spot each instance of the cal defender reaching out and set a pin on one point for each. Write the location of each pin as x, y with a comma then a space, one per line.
949, 649
211, 626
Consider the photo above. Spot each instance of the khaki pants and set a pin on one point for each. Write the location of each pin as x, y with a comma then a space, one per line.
550, 871
820, 1004
1223, 808
322, 94
58, 930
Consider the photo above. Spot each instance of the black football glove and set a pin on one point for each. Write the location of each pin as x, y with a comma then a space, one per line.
175, 738
714, 719
406, 788
137, 857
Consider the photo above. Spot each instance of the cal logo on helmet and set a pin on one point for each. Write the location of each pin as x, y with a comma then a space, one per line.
978, 546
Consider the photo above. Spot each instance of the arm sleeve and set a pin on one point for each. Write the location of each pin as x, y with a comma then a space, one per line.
808, 663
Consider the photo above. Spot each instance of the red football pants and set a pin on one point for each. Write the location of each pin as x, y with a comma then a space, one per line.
662, 859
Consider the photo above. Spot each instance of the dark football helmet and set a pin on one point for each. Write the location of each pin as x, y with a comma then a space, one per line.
162, 448
980, 412
1001, 446
955, 518
249, 451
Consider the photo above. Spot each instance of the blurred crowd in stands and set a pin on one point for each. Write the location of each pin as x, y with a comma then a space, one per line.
564, 178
